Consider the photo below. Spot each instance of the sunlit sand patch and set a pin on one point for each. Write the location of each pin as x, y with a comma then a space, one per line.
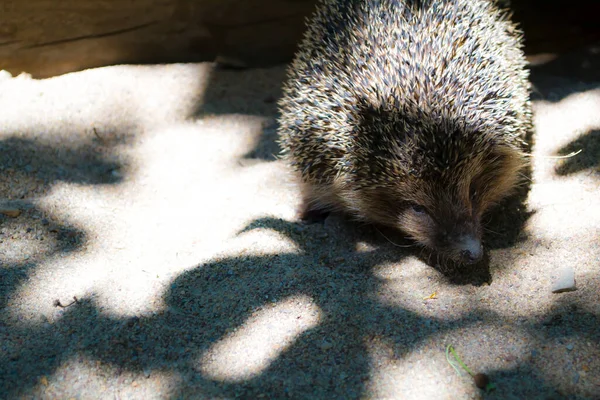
562, 209
417, 375
417, 287
256, 344
80, 372
411, 268
557, 124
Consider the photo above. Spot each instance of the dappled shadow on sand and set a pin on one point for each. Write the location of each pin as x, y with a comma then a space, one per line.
32, 163
587, 147
49, 162
30, 168
210, 302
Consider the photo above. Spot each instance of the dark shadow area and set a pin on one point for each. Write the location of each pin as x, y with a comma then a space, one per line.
571, 72
588, 159
213, 300
266, 147
476, 274
81, 163
503, 226
581, 64
556, 25
231, 92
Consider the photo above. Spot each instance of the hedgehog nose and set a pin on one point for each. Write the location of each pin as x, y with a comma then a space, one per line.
471, 250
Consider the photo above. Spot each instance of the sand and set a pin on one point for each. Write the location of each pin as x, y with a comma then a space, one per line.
151, 195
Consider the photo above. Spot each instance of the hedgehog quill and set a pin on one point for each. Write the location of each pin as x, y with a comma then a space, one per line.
411, 114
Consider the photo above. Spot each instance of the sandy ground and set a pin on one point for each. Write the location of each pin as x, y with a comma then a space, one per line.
151, 195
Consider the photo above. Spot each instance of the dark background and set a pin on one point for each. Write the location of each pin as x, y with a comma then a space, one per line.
40, 38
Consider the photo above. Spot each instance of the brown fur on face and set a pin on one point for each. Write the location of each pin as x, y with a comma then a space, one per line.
443, 216
439, 211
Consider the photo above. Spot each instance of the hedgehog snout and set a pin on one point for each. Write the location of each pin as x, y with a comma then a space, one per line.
470, 249
460, 239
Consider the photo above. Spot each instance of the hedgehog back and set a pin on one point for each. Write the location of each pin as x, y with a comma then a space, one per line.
379, 90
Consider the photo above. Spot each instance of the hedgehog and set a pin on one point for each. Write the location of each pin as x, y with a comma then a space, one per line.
409, 114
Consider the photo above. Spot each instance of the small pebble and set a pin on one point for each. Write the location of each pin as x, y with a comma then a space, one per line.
10, 212
570, 346
481, 380
326, 345
565, 281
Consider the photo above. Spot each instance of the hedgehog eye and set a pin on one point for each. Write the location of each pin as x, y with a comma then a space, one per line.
418, 209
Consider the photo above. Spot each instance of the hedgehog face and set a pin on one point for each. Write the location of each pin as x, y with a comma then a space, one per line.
450, 226
435, 216
444, 212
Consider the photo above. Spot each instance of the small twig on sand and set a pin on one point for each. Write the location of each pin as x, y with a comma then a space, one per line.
57, 303
100, 138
